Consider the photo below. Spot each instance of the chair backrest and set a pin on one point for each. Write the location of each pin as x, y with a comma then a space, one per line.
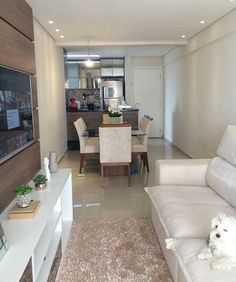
115, 143
145, 124
105, 118
83, 124
80, 130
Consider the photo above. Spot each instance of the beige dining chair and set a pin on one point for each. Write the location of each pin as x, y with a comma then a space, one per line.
105, 118
115, 147
140, 143
88, 145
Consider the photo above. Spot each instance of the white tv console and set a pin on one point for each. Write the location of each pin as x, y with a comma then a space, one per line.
38, 238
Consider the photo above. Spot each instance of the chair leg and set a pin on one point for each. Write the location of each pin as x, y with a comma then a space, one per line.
129, 178
81, 163
102, 173
145, 155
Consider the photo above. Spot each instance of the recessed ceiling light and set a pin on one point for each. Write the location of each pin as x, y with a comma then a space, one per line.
51, 22
183, 36
231, 0
202, 22
57, 29
62, 36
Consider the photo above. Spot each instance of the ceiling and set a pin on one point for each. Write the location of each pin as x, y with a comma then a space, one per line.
126, 27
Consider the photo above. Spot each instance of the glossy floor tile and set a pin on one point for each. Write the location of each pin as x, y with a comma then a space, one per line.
115, 199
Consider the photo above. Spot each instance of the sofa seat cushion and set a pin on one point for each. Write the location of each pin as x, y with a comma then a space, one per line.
186, 211
186, 251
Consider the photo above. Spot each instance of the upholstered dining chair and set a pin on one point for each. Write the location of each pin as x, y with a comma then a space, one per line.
105, 118
140, 143
88, 145
115, 147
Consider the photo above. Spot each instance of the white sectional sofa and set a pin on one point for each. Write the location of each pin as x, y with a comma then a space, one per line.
189, 194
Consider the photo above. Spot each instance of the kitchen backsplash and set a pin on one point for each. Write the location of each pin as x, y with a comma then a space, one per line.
92, 95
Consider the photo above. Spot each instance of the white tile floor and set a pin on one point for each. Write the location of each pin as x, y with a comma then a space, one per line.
115, 199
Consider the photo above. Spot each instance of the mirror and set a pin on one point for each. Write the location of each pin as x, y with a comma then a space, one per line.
89, 77
79, 76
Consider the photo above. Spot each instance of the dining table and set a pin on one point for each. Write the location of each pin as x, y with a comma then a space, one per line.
89, 132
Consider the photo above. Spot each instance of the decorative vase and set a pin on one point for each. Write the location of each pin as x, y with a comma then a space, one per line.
41, 186
116, 120
52, 162
23, 201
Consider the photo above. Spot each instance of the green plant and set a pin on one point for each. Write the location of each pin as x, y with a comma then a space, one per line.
23, 189
40, 179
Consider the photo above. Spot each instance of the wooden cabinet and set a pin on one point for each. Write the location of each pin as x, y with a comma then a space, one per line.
16, 51
34, 243
19, 15
131, 117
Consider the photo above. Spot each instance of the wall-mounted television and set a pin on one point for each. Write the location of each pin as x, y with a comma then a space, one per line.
16, 115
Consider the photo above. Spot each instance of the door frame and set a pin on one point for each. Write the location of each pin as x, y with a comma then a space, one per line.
161, 93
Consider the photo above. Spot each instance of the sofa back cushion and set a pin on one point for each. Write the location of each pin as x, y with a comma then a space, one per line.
221, 176
227, 146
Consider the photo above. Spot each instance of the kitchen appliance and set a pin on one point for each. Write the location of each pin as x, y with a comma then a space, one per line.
111, 90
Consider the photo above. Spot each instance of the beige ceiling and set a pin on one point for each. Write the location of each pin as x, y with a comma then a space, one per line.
133, 27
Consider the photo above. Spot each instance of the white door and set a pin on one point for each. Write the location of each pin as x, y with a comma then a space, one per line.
147, 96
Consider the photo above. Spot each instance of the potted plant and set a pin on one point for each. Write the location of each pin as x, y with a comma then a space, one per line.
23, 195
40, 182
114, 113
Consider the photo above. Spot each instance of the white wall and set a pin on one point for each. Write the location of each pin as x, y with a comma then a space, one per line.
200, 89
130, 64
51, 93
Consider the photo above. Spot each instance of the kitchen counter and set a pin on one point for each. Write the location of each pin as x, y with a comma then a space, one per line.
103, 111
92, 119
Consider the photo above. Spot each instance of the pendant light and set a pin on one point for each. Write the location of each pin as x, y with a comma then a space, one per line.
88, 63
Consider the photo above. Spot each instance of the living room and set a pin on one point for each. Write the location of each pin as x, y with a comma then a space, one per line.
198, 83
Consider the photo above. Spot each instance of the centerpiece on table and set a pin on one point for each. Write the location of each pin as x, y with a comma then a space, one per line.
114, 113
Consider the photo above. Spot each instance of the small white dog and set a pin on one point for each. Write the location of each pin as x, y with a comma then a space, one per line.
221, 243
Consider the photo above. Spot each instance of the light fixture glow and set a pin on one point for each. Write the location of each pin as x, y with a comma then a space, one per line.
202, 22
62, 36
183, 36
50, 22
89, 63
57, 29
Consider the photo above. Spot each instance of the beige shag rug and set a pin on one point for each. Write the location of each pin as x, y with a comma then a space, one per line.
117, 249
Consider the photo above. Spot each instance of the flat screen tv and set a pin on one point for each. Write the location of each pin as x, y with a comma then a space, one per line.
16, 120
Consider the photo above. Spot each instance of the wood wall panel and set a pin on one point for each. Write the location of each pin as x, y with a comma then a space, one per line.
36, 123
16, 50
34, 92
19, 14
20, 169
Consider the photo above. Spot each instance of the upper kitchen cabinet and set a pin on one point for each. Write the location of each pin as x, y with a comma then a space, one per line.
112, 67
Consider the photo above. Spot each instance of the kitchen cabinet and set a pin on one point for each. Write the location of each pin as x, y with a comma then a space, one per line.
112, 67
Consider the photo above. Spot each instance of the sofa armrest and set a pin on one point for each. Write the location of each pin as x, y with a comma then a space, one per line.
181, 172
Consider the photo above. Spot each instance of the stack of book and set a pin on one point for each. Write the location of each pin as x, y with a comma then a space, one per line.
27, 212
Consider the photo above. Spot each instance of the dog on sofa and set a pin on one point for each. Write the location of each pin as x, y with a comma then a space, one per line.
221, 243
